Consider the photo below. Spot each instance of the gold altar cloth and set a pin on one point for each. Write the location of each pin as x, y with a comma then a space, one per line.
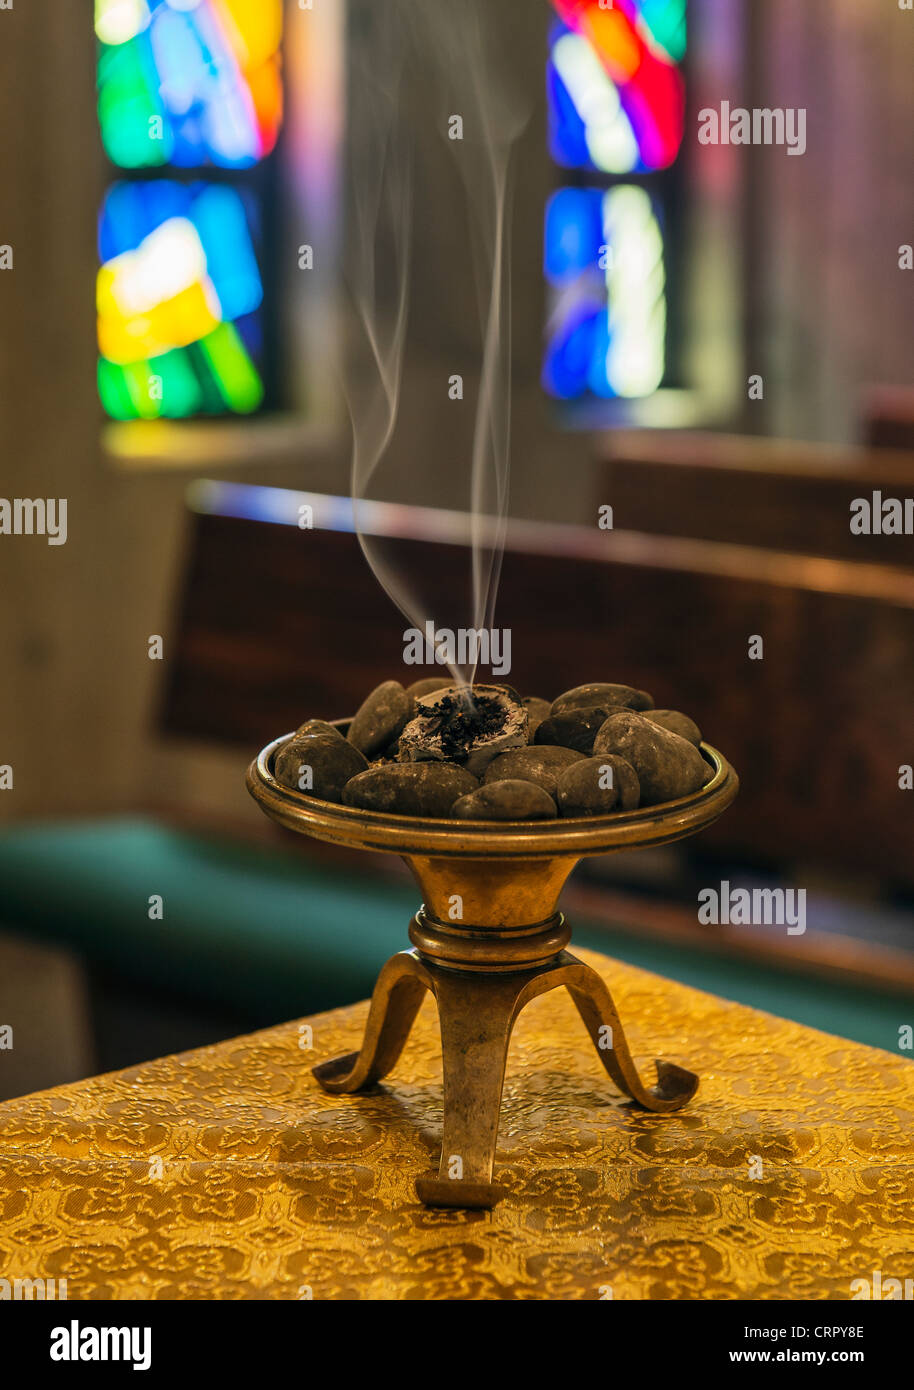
227, 1173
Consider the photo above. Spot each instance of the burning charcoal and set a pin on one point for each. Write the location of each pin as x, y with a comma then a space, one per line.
573, 728
677, 723
380, 718
316, 726
410, 789
667, 766
537, 711
427, 685
451, 727
623, 696
509, 800
539, 764
319, 764
596, 785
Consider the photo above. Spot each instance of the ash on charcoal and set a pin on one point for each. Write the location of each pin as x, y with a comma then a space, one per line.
458, 722
464, 726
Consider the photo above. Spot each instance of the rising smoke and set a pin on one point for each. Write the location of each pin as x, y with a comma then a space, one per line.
451, 47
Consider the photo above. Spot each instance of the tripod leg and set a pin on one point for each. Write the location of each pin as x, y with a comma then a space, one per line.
476, 1016
675, 1086
394, 1004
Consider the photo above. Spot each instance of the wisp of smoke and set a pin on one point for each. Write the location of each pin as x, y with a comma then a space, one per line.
454, 46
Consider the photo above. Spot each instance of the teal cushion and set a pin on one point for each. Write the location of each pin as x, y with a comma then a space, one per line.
241, 926
864, 1014
271, 933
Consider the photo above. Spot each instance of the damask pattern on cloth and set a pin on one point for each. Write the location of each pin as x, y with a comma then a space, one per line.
227, 1173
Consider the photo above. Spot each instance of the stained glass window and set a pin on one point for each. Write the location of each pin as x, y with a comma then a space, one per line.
184, 85
616, 103
604, 264
188, 82
178, 291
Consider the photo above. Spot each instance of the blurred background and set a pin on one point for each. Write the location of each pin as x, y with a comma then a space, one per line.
177, 214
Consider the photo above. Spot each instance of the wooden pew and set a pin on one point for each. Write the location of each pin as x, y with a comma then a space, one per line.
279, 624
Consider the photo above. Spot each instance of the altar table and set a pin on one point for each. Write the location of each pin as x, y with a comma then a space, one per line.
227, 1173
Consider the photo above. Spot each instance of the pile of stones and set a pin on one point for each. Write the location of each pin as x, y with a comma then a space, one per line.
432, 749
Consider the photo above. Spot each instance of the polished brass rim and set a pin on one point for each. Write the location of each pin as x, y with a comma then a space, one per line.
575, 836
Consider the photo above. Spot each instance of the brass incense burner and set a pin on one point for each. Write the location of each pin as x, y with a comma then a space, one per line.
488, 939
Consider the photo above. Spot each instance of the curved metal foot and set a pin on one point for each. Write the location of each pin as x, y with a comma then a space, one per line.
458, 1192
675, 1086
395, 1002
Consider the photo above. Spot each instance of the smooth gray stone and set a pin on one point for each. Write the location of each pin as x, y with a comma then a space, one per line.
537, 711
677, 723
333, 762
540, 764
316, 726
573, 728
511, 800
602, 693
580, 793
380, 718
667, 766
410, 789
